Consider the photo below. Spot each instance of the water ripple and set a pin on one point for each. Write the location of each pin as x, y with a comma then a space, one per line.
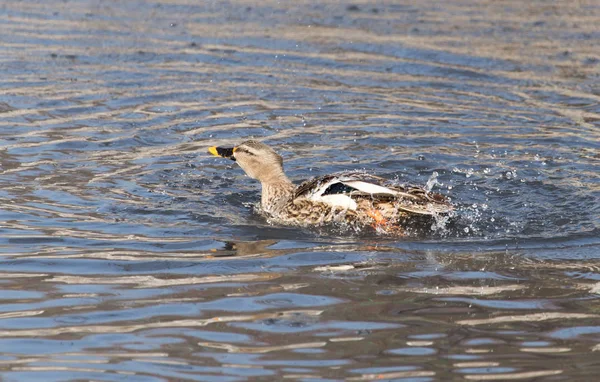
128, 252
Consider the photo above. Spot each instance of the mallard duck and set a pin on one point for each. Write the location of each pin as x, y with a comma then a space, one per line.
356, 198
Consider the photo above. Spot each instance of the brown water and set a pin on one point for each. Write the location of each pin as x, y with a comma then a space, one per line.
129, 253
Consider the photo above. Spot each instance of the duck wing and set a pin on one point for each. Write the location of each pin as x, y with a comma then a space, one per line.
334, 184
344, 189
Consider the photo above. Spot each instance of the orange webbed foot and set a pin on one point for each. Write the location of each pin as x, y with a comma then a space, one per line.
383, 225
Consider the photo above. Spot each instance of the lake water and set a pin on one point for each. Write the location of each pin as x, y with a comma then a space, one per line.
129, 253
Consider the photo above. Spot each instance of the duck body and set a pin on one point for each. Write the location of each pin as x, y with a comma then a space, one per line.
357, 199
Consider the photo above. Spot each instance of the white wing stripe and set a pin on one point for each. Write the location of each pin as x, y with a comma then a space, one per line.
369, 188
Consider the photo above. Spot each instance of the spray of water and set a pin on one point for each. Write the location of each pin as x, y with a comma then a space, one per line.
432, 182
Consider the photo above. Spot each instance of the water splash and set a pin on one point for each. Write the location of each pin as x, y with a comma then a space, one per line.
432, 182
440, 224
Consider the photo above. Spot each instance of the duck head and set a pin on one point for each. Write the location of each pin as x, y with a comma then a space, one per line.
258, 160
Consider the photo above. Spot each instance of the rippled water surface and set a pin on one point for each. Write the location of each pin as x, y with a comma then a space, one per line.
129, 253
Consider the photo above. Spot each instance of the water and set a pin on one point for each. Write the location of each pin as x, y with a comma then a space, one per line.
128, 252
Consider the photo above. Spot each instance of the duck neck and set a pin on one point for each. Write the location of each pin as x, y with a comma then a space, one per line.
277, 191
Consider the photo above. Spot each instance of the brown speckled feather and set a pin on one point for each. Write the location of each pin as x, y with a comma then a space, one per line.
411, 199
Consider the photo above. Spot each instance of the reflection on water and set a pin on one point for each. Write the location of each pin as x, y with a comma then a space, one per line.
127, 252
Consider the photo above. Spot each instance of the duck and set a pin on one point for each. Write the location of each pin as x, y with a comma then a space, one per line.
356, 198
